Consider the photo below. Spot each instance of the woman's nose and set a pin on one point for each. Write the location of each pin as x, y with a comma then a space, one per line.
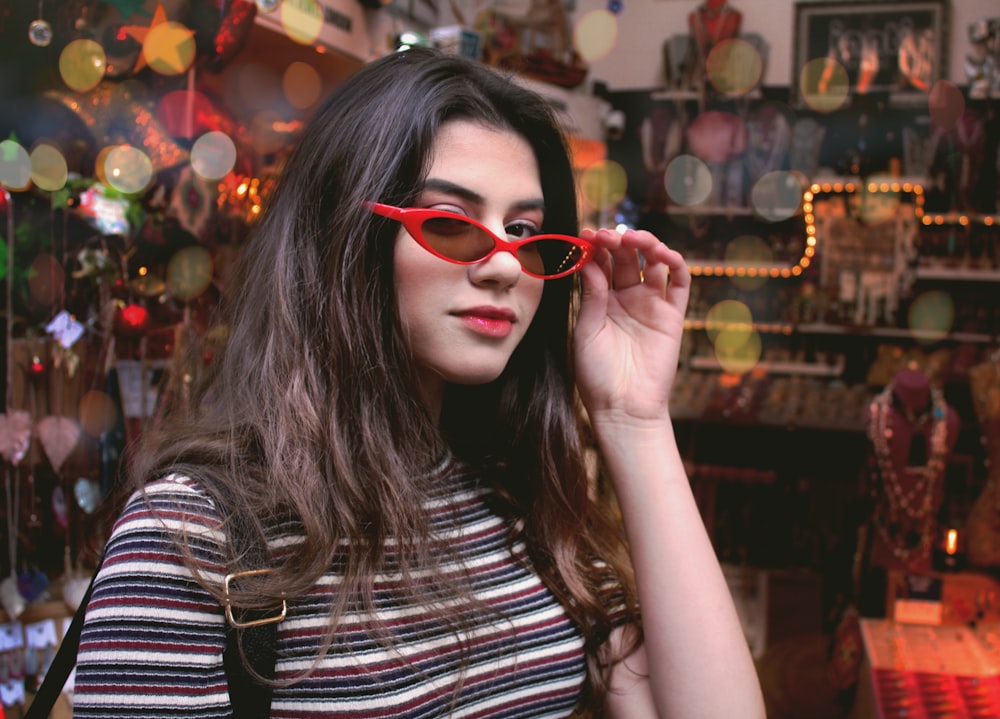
502, 267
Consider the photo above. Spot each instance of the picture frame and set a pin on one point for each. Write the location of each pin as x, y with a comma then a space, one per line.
889, 46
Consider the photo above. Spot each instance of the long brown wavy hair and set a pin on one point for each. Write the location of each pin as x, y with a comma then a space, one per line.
309, 414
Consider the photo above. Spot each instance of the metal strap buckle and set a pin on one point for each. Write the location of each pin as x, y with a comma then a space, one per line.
227, 602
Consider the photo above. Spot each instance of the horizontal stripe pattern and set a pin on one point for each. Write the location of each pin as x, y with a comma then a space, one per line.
153, 639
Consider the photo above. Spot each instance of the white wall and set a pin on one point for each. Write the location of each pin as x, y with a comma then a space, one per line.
643, 25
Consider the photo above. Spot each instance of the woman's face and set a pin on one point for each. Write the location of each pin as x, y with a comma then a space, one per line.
463, 322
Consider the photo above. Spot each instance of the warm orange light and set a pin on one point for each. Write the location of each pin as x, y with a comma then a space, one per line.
951, 541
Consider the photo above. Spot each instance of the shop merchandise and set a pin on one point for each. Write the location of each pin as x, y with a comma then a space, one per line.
912, 431
983, 524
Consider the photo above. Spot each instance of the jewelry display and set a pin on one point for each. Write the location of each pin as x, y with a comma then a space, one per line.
910, 493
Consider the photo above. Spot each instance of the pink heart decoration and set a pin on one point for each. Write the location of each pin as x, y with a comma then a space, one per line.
15, 435
58, 436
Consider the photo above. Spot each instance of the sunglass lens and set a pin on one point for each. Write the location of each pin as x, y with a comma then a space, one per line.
456, 239
547, 256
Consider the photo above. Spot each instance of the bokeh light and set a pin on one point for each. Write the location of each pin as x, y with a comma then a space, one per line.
302, 21
946, 104
189, 272
15, 166
604, 184
736, 352
688, 180
931, 316
100, 162
98, 413
169, 48
728, 316
302, 85
595, 34
734, 67
875, 201
128, 169
49, 170
213, 155
82, 64
777, 195
749, 252
824, 84
264, 136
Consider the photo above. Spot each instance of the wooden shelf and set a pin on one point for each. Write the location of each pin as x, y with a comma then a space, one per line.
820, 328
801, 369
957, 274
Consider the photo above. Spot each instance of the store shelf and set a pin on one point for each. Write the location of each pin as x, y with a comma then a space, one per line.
820, 328
716, 210
958, 274
801, 369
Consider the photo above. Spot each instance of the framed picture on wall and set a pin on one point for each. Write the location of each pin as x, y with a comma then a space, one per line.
847, 48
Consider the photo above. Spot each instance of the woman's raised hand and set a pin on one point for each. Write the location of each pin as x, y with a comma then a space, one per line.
630, 326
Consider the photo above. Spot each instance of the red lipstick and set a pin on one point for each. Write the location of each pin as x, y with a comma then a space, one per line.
489, 321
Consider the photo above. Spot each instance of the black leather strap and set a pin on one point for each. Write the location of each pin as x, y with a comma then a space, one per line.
63, 662
250, 699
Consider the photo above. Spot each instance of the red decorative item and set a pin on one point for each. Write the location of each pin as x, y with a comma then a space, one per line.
233, 32
36, 368
132, 319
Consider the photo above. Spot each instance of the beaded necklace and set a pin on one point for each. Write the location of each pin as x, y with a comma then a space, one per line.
908, 527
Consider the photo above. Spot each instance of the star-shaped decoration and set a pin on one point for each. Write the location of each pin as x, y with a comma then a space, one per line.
128, 8
167, 47
139, 33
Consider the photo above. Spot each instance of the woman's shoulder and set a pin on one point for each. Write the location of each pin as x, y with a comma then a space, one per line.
175, 503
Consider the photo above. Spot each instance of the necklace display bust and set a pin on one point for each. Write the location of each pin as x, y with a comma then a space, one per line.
912, 431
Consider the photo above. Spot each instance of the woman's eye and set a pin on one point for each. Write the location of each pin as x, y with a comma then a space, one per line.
521, 230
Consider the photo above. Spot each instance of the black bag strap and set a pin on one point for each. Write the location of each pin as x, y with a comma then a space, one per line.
254, 630
63, 662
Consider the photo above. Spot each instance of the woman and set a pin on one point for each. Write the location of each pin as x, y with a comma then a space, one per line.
394, 413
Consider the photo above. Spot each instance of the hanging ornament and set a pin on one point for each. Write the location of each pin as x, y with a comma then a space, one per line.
131, 320
58, 436
10, 598
615, 6
36, 367
31, 583
15, 435
267, 5
192, 201
233, 32
39, 31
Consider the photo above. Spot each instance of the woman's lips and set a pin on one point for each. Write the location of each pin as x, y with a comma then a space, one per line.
489, 321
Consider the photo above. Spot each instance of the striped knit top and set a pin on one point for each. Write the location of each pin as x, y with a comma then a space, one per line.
153, 639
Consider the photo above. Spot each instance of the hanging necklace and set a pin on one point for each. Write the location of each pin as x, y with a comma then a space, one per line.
908, 524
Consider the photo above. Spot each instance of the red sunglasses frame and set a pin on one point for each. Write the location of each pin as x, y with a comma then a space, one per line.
412, 218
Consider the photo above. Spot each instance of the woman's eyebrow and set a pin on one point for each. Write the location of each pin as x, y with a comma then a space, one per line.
451, 188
